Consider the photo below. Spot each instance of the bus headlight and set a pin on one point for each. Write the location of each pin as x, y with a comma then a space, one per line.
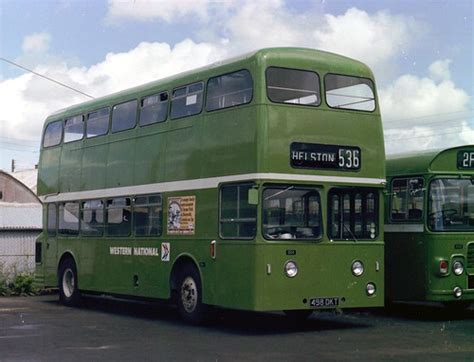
458, 268
357, 268
457, 292
370, 288
291, 269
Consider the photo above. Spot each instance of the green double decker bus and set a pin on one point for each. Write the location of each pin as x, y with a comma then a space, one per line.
429, 229
254, 183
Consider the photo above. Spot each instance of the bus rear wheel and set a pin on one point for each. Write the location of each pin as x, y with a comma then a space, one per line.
68, 288
189, 296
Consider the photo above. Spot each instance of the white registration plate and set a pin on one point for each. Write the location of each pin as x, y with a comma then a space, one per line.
324, 302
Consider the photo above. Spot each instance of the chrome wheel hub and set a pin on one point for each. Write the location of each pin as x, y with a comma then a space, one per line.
189, 294
68, 283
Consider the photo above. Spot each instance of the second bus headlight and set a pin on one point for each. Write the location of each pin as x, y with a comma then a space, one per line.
291, 269
458, 268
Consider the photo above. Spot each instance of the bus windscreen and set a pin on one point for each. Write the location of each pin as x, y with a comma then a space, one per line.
451, 205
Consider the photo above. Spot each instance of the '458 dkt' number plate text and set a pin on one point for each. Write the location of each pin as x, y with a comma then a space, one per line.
324, 302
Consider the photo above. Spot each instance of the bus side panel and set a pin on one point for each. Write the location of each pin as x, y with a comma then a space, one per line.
229, 138
70, 174
48, 173
90, 277
118, 174
235, 280
94, 162
324, 271
406, 266
46, 271
183, 150
150, 154
154, 271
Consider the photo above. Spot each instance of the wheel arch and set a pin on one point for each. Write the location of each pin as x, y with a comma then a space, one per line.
178, 264
66, 255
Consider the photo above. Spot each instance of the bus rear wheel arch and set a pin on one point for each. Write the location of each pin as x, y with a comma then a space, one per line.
69, 294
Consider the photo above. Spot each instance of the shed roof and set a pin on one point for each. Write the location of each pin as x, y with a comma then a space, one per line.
15, 216
27, 177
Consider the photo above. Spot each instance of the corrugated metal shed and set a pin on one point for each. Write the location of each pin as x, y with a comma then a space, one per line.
15, 216
17, 252
20, 222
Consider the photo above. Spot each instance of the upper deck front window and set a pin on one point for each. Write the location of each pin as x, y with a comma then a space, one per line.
451, 205
347, 92
293, 86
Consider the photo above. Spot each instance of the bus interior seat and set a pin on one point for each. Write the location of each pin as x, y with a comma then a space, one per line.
414, 214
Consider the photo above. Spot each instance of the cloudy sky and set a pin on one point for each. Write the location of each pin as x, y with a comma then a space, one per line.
422, 54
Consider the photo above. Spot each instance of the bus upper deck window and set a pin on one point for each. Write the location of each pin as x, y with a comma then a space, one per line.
293, 86
124, 116
53, 134
154, 109
98, 122
229, 90
349, 92
74, 128
187, 101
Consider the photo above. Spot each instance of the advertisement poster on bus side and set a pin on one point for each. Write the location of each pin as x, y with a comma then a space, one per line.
181, 215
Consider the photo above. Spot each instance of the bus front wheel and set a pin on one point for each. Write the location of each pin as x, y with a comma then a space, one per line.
298, 315
68, 289
189, 296
457, 306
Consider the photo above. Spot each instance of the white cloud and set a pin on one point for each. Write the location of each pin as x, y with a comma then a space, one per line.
29, 99
429, 112
267, 23
378, 39
439, 70
168, 11
467, 133
36, 43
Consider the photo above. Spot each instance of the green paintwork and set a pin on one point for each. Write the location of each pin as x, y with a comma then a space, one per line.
412, 258
252, 138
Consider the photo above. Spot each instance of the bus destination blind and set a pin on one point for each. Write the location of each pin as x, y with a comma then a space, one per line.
466, 160
320, 156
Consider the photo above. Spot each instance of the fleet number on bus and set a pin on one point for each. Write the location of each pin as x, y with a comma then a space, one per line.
466, 159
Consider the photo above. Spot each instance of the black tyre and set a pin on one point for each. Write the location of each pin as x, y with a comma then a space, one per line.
457, 306
189, 296
298, 315
67, 281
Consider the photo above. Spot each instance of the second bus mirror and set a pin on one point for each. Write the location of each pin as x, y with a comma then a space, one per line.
253, 197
